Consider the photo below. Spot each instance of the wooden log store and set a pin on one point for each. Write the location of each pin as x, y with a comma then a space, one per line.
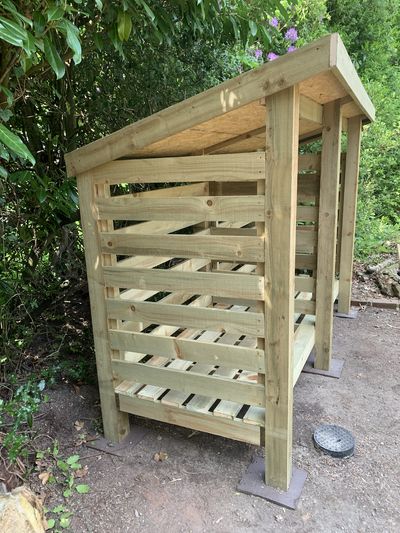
216, 245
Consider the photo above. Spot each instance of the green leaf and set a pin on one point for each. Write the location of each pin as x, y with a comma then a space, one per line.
14, 143
82, 489
58, 509
67, 493
62, 465
54, 13
149, 12
64, 522
72, 35
53, 57
253, 28
8, 93
12, 32
99, 5
3, 172
98, 41
39, 22
51, 523
72, 459
124, 22
5, 114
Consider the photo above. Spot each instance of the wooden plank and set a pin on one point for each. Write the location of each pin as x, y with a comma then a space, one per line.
207, 208
185, 316
193, 189
225, 167
232, 285
152, 392
280, 226
328, 213
307, 213
304, 306
304, 283
156, 227
190, 382
349, 207
306, 261
192, 350
308, 187
304, 339
115, 423
198, 421
310, 110
185, 246
230, 95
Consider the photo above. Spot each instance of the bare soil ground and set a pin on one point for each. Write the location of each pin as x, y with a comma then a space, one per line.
193, 490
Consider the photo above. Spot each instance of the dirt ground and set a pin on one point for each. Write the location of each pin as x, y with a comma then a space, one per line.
193, 490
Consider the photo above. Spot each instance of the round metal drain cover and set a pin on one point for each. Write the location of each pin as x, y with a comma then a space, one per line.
334, 440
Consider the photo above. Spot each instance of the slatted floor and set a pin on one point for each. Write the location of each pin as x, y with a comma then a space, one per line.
212, 406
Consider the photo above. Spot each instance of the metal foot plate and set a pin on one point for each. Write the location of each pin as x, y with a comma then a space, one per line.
335, 370
253, 483
101, 444
353, 313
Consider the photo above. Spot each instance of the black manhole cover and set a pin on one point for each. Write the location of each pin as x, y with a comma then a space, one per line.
334, 440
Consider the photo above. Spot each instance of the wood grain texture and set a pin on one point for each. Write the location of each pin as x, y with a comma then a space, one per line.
280, 226
327, 229
349, 211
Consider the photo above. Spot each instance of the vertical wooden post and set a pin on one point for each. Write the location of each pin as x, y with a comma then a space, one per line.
327, 233
282, 112
349, 213
115, 423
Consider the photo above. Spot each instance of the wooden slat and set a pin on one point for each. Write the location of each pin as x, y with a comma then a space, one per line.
231, 167
328, 212
156, 227
233, 285
280, 225
308, 187
186, 246
304, 306
190, 382
191, 350
198, 421
207, 208
185, 316
305, 284
194, 189
307, 213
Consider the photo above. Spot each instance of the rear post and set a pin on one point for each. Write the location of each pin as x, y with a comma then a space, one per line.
349, 213
327, 229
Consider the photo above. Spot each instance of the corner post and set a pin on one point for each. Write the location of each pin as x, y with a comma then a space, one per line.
349, 213
282, 138
327, 233
115, 422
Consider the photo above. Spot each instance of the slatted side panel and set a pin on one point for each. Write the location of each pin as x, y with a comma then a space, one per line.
184, 347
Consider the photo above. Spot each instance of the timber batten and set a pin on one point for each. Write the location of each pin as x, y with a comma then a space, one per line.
210, 288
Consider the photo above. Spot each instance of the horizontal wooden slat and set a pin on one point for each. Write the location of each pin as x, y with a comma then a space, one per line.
184, 316
207, 208
190, 382
305, 284
308, 187
306, 261
232, 429
194, 189
306, 307
191, 350
309, 162
226, 167
156, 227
185, 246
307, 213
181, 279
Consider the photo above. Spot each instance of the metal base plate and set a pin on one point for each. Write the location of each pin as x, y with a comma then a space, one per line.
101, 444
335, 370
353, 313
253, 483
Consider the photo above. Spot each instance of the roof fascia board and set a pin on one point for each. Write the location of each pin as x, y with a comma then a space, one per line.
343, 68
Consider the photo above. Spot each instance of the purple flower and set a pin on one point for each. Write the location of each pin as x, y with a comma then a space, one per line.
271, 56
274, 22
291, 48
291, 35
257, 53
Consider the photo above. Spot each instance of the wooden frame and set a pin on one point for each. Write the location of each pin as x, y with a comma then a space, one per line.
208, 294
